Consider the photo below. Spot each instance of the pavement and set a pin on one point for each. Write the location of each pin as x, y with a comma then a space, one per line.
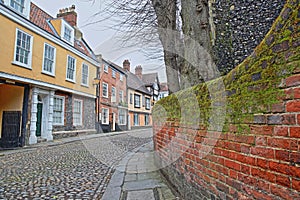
138, 178
109, 166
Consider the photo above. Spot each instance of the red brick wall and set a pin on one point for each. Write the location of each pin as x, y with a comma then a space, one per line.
119, 85
106, 77
259, 161
264, 164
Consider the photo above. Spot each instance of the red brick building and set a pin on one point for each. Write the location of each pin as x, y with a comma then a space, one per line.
112, 100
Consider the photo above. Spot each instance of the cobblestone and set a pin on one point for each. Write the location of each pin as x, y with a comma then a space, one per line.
65, 171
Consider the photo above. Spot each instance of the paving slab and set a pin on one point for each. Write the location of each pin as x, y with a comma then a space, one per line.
112, 193
131, 177
138, 178
141, 195
150, 175
117, 179
143, 184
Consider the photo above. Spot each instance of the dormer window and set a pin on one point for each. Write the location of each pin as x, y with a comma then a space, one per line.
67, 32
18, 5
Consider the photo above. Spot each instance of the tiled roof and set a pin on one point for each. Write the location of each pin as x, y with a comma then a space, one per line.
135, 83
40, 18
115, 66
81, 46
164, 87
150, 78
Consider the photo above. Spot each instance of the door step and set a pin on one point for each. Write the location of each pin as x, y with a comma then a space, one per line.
40, 140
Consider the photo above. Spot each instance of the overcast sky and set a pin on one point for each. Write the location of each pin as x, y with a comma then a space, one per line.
101, 39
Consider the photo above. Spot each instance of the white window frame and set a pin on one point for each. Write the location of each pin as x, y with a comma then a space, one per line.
52, 73
80, 112
28, 65
26, 7
82, 75
113, 94
135, 105
138, 119
107, 117
121, 77
148, 103
103, 83
67, 34
105, 68
65, 25
121, 96
19, 4
62, 112
67, 67
113, 73
125, 114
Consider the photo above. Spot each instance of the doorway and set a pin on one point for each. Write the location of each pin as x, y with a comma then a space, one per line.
11, 121
39, 116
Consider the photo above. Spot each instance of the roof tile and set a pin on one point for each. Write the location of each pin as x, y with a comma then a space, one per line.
40, 18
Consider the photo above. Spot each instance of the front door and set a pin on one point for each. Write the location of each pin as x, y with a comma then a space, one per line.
39, 119
10, 129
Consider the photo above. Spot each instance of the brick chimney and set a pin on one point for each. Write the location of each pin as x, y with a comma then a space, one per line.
126, 65
69, 15
139, 71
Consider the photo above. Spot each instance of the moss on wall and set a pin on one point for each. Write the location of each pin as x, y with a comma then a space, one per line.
252, 88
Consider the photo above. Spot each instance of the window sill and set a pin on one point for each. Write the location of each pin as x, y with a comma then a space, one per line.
86, 86
19, 64
48, 73
71, 81
77, 124
58, 124
68, 41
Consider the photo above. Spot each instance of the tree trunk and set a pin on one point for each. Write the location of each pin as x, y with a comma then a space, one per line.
198, 66
166, 18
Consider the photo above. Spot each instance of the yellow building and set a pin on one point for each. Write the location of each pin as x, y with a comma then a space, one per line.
46, 75
139, 98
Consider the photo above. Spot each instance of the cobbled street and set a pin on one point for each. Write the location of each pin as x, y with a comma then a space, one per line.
74, 170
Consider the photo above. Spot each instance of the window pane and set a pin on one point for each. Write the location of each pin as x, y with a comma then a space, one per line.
58, 111
71, 68
18, 5
67, 34
104, 90
105, 115
122, 117
77, 112
23, 47
49, 59
137, 100
85, 72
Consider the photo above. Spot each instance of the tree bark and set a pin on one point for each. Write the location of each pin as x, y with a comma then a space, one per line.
167, 24
198, 65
